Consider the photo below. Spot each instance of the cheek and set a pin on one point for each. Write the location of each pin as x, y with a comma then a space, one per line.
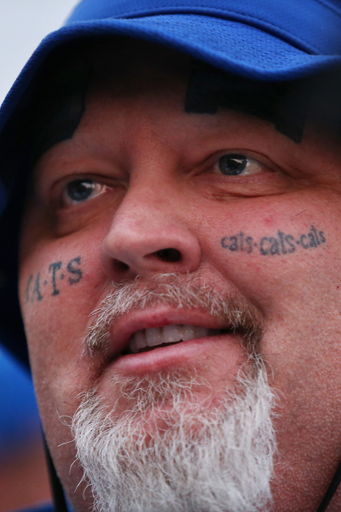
272, 250
285, 260
295, 282
60, 285
59, 288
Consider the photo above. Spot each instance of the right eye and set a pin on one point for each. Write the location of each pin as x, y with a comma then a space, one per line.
81, 190
235, 164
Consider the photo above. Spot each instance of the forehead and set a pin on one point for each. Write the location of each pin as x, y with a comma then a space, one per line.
125, 72
134, 68
126, 67
113, 68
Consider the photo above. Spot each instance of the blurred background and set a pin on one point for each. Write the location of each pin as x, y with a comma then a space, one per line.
23, 476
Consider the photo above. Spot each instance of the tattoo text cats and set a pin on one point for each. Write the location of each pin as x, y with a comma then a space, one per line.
279, 244
40, 286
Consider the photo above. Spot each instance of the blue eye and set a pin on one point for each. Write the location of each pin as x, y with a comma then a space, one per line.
233, 164
80, 190
236, 164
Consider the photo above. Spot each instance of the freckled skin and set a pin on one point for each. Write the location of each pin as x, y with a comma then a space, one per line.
164, 190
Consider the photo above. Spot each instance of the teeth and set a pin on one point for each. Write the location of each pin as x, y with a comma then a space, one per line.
201, 332
137, 341
174, 333
153, 337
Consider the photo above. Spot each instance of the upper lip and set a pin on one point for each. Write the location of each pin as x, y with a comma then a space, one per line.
136, 320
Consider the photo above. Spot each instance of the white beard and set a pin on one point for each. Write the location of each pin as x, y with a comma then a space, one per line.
172, 451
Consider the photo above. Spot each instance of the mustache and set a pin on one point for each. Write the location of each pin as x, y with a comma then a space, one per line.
178, 291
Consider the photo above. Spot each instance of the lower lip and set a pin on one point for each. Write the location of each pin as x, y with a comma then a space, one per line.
225, 347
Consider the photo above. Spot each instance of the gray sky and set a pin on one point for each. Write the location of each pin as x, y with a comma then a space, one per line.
23, 24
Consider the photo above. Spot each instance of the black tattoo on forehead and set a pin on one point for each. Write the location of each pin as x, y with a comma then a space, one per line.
278, 244
284, 104
61, 105
49, 112
47, 283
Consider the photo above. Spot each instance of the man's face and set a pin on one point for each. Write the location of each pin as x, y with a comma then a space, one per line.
218, 206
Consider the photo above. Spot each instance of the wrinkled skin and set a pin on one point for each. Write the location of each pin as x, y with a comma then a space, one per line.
164, 189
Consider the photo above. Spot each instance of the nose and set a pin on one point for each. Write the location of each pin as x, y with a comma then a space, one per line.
148, 236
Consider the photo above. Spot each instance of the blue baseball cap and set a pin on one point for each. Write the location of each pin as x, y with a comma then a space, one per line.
266, 40
261, 39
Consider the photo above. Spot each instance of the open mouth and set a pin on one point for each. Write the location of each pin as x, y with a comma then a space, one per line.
148, 339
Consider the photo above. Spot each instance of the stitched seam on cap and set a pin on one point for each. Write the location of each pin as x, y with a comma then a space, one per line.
211, 14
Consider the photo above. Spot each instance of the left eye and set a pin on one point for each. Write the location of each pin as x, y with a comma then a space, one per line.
235, 164
78, 191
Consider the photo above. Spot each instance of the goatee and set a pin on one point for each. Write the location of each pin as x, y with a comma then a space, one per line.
179, 453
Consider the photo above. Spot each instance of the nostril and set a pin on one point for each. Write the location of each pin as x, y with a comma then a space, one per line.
169, 255
121, 266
